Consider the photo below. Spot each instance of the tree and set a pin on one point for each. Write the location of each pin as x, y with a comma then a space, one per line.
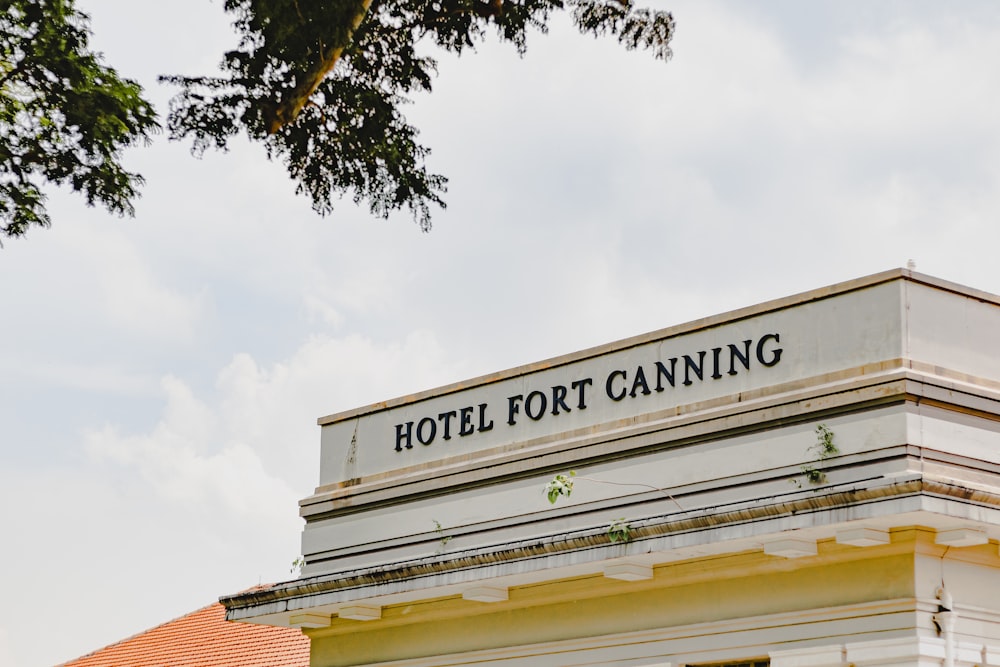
64, 117
321, 84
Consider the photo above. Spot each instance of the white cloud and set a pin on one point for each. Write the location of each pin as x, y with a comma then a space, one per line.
321, 312
89, 377
94, 277
251, 448
190, 461
134, 299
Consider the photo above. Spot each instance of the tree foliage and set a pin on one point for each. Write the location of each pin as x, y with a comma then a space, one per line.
64, 117
322, 84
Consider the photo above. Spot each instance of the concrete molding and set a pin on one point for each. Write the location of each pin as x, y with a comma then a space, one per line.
309, 620
962, 537
903, 495
626, 571
813, 656
791, 548
862, 537
911, 651
969, 654
360, 612
486, 594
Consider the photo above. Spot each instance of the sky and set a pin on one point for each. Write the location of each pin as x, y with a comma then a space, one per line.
161, 377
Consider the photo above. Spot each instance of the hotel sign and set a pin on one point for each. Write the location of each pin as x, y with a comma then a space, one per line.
605, 389
656, 376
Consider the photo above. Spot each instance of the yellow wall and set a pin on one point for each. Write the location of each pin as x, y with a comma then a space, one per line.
680, 594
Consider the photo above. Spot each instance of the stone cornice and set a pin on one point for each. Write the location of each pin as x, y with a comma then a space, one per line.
592, 544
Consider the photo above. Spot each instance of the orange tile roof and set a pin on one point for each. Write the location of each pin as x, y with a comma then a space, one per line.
204, 638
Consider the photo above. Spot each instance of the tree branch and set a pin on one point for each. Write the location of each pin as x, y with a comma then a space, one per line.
291, 105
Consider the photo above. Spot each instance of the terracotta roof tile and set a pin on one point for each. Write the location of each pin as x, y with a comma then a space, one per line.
204, 638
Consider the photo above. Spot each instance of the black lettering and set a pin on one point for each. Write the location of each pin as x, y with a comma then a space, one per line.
744, 357
445, 417
639, 381
559, 399
426, 421
512, 408
776, 353
662, 372
466, 427
483, 426
581, 384
400, 436
690, 365
543, 403
607, 385
716, 351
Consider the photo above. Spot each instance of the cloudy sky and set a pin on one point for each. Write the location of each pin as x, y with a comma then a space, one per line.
160, 377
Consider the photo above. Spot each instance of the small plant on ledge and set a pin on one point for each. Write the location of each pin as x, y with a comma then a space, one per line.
825, 448
442, 537
619, 531
560, 485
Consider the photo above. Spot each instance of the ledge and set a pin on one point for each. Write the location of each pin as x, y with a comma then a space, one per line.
911, 495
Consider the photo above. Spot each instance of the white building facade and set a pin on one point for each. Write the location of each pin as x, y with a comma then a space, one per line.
812, 482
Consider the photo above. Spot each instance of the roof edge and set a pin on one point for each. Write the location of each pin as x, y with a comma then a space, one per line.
309, 591
668, 332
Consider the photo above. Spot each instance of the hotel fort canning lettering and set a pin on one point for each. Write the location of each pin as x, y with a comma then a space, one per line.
619, 384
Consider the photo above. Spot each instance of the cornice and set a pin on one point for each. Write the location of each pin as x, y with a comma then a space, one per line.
904, 494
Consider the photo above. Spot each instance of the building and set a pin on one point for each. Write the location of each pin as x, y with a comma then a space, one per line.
807, 482
203, 638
